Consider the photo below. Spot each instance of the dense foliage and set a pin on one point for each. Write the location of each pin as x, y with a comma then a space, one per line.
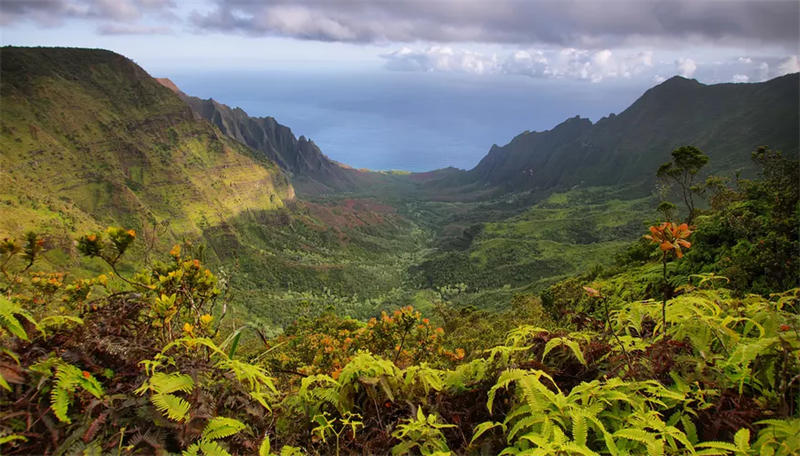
660, 355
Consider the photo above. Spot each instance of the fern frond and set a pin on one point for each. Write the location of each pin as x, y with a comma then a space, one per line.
173, 407
220, 427
163, 383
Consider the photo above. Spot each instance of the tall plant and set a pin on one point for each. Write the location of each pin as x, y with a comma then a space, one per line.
671, 239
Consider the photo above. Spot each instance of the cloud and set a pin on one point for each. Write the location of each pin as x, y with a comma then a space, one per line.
567, 63
132, 29
686, 67
790, 65
744, 60
55, 12
592, 24
441, 58
740, 78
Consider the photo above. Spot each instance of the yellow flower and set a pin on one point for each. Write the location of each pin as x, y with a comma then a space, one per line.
206, 319
102, 279
176, 250
187, 328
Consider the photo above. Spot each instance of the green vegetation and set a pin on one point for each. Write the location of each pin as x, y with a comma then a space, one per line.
226, 317
648, 356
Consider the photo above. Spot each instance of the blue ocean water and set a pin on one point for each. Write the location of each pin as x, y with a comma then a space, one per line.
411, 121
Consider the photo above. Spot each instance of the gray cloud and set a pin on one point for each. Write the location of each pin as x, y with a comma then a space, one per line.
585, 23
54, 12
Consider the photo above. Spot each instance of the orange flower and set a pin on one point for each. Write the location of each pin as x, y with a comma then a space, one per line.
176, 250
91, 237
86, 374
131, 233
670, 237
426, 321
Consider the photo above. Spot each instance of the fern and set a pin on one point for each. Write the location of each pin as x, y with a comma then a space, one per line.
67, 380
613, 416
424, 433
206, 448
171, 406
220, 427
9, 311
563, 341
170, 383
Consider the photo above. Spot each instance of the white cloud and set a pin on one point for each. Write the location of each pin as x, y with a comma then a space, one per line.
658, 79
441, 58
740, 78
570, 63
790, 65
744, 60
686, 67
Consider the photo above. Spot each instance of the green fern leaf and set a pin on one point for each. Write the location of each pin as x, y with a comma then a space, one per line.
638, 435
220, 427
717, 446
193, 450
579, 429
163, 383
60, 399
483, 428
265, 448
211, 448
174, 407
742, 439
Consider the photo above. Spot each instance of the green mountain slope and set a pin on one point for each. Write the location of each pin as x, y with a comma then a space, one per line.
726, 121
89, 138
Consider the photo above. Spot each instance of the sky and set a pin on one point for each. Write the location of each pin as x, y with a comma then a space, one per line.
422, 84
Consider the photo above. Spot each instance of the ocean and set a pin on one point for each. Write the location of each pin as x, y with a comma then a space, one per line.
385, 120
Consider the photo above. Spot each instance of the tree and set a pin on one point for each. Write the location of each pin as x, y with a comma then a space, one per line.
686, 162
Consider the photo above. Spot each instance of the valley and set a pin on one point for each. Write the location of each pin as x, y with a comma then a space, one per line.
185, 278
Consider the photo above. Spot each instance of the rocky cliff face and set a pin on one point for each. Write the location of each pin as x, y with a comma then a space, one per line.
309, 168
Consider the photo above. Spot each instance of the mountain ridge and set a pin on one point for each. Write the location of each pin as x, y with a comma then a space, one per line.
727, 121
310, 168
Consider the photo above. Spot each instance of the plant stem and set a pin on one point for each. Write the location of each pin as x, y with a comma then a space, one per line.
614, 333
664, 301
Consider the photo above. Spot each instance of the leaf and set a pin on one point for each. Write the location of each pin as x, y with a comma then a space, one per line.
579, 429
717, 445
174, 407
10, 323
60, 400
220, 427
742, 439
234, 343
264, 448
10, 438
571, 344
163, 383
638, 435
483, 427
